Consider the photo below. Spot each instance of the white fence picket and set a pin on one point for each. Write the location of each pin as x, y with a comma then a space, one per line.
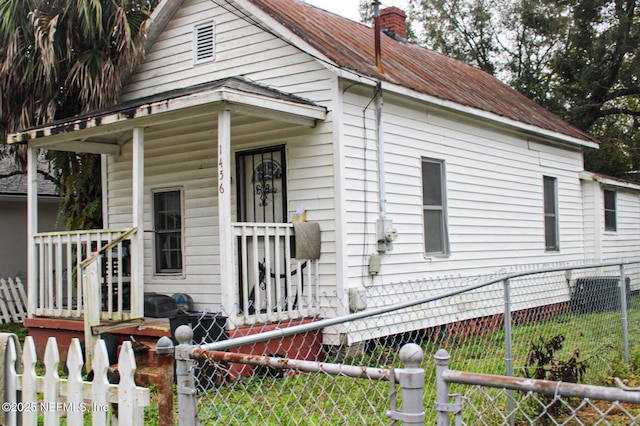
128, 397
13, 301
100, 388
5, 294
29, 381
4, 309
20, 298
71, 397
51, 383
75, 384
10, 382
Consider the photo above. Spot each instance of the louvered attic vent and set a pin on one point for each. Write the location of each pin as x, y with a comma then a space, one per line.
204, 42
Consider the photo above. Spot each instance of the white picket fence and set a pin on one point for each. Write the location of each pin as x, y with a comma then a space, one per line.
13, 301
71, 398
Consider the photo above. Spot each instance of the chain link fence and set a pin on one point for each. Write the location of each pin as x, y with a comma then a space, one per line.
502, 400
578, 315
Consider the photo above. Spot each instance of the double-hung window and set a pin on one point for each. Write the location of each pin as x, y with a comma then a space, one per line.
167, 219
550, 189
436, 238
610, 222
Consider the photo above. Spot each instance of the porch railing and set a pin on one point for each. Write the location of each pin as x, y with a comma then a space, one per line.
58, 283
272, 283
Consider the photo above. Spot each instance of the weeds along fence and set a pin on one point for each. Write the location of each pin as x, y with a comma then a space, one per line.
488, 399
587, 314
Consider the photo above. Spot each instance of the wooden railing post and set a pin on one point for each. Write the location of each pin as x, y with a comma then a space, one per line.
92, 302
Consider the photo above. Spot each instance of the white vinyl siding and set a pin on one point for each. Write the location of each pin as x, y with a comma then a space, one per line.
183, 154
494, 189
240, 49
624, 242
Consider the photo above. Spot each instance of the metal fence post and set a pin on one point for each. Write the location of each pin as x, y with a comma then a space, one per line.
441, 360
411, 380
163, 379
185, 381
623, 307
508, 342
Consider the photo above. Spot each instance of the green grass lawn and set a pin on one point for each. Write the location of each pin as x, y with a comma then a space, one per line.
299, 398
318, 399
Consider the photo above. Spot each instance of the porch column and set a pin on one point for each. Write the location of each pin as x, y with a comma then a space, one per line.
224, 211
137, 240
32, 228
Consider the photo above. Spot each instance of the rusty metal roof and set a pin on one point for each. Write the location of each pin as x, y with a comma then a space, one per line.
350, 45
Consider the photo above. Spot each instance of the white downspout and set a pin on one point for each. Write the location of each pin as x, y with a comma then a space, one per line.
380, 141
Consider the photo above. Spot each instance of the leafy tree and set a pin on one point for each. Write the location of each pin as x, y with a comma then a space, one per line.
60, 58
578, 58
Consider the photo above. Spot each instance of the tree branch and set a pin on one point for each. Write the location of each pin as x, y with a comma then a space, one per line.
47, 176
628, 91
618, 111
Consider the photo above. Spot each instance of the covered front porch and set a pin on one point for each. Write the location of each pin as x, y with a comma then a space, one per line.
253, 272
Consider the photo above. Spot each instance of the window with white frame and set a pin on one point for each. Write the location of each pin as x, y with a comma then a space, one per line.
436, 239
167, 221
610, 222
204, 42
550, 190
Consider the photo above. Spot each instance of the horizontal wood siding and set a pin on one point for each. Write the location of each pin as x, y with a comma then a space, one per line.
494, 181
241, 49
624, 242
592, 227
183, 155
494, 191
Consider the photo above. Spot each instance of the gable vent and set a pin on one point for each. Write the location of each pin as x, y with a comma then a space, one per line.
204, 42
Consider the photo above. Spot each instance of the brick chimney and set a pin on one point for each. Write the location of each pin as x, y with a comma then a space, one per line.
394, 20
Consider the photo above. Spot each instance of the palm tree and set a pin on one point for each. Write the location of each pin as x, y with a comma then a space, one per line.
60, 58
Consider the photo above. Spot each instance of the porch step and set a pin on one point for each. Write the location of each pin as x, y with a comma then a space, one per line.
306, 346
65, 329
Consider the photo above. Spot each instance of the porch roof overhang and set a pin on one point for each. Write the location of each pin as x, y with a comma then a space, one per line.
104, 131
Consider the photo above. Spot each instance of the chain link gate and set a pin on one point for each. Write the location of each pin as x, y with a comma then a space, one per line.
410, 379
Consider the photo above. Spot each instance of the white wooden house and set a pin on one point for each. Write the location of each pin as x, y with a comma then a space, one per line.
245, 112
611, 218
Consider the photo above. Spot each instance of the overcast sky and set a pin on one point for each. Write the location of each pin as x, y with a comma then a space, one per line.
351, 8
